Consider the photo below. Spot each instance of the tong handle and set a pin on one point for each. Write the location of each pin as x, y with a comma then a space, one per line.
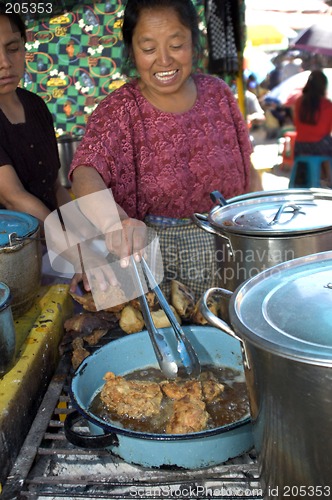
163, 354
187, 354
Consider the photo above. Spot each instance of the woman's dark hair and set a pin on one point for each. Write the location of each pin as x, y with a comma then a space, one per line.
15, 20
312, 94
185, 10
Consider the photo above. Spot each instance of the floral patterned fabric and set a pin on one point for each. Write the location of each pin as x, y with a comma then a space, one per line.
167, 164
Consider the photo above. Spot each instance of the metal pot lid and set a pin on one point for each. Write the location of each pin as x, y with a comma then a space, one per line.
4, 296
281, 213
287, 309
22, 224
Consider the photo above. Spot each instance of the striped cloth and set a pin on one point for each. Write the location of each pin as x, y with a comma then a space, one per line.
188, 254
320, 148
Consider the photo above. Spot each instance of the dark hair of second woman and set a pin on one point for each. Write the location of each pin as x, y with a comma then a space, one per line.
185, 10
15, 20
313, 92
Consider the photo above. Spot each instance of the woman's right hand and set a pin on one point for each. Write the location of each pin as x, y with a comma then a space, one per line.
131, 239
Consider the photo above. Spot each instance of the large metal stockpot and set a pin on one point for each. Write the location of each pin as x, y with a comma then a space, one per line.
283, 319
190, 451
20, 258
260, 230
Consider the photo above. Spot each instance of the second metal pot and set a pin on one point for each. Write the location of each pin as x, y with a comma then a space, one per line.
283, 319
260, 230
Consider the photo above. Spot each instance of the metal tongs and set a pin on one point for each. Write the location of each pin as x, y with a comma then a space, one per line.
162, 350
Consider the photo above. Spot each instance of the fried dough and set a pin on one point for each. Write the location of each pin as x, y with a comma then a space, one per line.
182, 299
88, 302
131, 320
189, 415
160, 319
178, 390
198, 318
134, 398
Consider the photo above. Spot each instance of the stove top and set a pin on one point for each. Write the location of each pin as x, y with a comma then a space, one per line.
48, 466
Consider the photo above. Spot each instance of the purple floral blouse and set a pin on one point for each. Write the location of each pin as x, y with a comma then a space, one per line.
166, 164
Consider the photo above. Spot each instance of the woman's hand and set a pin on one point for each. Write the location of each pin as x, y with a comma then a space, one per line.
92, 269
131, 239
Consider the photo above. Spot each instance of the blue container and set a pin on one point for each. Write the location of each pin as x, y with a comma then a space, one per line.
191, 451
20, 258
7, 331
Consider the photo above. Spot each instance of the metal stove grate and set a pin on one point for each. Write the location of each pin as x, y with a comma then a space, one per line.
48, 466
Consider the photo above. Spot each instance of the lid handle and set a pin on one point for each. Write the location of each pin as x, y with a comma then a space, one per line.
217, 197
13, 238
282, 209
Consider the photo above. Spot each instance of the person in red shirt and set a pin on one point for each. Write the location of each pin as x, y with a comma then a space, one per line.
313, 118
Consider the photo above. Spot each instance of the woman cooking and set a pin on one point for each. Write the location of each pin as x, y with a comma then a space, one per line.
162, 143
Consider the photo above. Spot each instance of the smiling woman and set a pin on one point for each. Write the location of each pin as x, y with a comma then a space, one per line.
162, 51
162, 143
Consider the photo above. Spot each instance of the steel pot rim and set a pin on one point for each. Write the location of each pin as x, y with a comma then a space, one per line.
24, 228
251, 200
321, 355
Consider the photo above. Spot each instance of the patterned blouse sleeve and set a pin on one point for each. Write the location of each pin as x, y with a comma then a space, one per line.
107, 146
243, 136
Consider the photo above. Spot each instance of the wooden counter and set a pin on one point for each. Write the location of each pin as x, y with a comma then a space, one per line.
39, 333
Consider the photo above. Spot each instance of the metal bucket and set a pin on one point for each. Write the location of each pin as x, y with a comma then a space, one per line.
67, 146
20, 258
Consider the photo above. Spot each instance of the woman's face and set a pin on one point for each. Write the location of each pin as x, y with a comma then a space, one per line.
162, 51
12, 57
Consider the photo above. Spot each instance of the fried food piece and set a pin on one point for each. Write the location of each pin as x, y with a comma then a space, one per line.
197, 317
131, 320
178, 390
183, 299
94, 337
151, 300
85, 300
134, 398
117, 295
160, 319
88, 302
79, 353
87, 323
189, 415
211, 390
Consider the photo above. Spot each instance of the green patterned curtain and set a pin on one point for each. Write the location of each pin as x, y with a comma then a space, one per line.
74, 58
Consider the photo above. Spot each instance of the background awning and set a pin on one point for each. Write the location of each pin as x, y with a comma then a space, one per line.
269, 37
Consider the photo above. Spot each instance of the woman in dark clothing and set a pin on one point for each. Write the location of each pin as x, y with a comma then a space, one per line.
29, 159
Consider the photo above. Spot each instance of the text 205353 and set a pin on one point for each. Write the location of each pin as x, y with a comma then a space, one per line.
29, 8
